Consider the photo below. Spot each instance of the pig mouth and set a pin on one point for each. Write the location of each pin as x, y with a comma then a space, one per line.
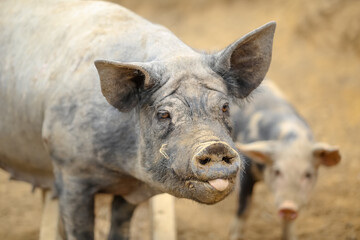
211, 191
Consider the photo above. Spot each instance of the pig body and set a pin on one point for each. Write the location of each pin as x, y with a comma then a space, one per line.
280, 149
157, 121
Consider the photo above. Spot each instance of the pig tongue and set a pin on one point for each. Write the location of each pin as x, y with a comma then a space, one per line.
219, 184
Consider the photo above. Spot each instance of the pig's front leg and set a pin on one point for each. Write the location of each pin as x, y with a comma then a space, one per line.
288, 230
121, 213
76, 199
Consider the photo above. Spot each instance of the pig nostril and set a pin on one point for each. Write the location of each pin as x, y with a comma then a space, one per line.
204, 161
227, 159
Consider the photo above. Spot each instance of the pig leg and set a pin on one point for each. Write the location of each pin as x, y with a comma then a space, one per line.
76, 200
288, 230
121, 213
246, 188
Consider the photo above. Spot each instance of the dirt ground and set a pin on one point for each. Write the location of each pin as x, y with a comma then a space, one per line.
316, 62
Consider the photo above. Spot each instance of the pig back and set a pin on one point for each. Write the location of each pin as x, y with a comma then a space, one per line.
267, 116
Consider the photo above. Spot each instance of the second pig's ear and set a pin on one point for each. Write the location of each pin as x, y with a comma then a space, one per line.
244, 64
326, 155
260, 152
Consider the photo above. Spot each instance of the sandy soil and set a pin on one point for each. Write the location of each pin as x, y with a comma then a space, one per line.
316, 62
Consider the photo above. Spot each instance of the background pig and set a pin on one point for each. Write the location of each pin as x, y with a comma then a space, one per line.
280, 149
167, 127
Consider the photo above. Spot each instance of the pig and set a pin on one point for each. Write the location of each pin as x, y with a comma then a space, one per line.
95, 99
279, 148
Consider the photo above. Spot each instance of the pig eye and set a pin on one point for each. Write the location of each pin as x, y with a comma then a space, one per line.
225, 108
162, 115
308, 175
277, 173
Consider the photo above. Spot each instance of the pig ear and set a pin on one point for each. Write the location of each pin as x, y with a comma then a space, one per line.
326, 155
244, 64
260, 152
122, 83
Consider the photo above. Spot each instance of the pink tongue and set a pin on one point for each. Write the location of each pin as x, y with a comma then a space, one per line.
219, 184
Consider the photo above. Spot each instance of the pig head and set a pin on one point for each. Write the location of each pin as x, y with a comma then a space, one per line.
291, 170
183, 106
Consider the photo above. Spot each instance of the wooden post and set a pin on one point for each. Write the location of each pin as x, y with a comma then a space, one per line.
50, 218
163, 217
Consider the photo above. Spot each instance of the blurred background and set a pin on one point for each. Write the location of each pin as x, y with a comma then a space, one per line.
316, 63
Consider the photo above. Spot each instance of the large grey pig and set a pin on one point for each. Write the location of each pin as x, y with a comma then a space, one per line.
280, 148
157, 121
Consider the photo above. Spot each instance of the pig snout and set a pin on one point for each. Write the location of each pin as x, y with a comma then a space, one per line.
288, 210
217, 163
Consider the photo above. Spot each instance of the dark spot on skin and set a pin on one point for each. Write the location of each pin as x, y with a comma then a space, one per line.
266, 126
60, 161
58, 184
65, 110
114, 141
169, 129
110, 146
290, 136
161, 170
